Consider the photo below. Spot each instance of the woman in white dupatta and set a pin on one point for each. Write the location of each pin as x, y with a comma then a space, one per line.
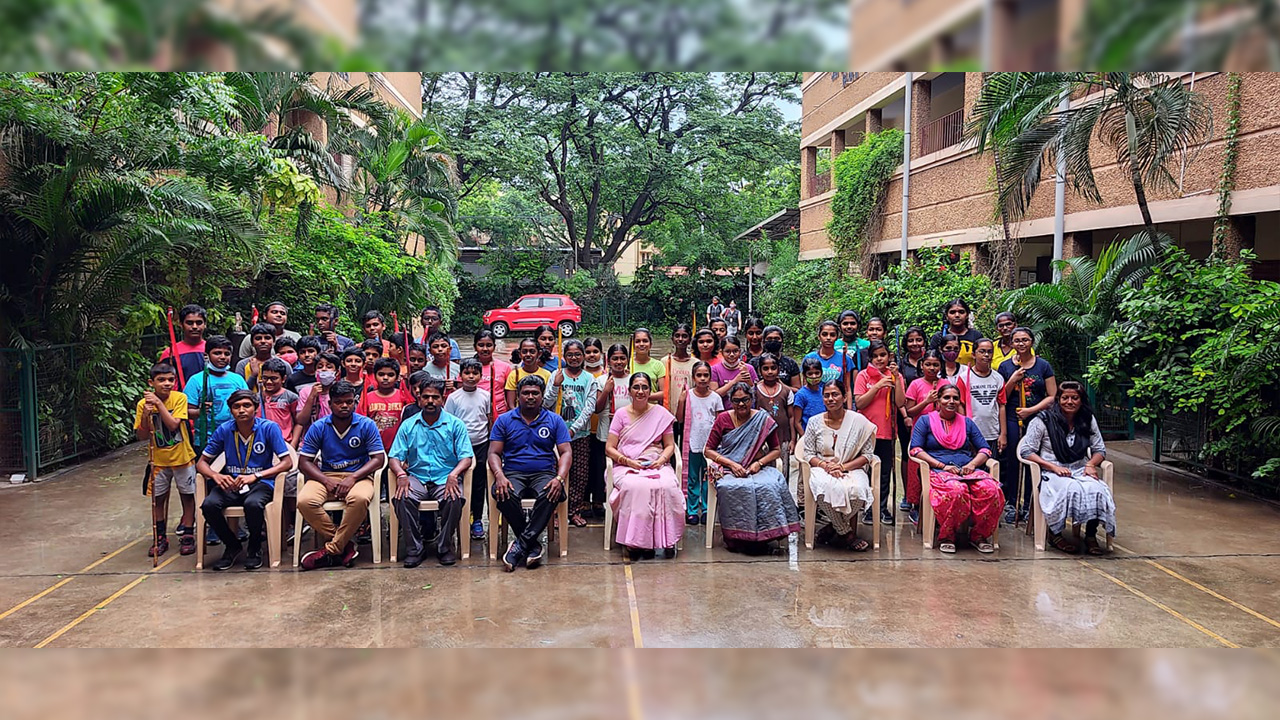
839, 445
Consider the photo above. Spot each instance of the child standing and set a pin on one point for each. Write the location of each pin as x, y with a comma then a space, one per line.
417, 359
642, 343
263, 338
698, 412
531, 358
473, 406
807, 401
287, 350
308, 353
679, 370
611, 393
160, 420
280, 406
191, 347
877, 391
353, 371
571, 395
373, 326
495, 371
384, 403
441, 366
731, 369
207, 391
313, 399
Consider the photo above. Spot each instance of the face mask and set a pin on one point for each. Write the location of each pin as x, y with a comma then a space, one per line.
773, 346
326, 377
214, 370
290, 359
813, 381
950, 356
593, 364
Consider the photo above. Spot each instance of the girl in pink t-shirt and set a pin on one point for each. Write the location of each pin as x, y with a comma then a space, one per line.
924, 390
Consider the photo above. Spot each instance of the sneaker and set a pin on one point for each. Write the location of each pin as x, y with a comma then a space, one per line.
242, 534
211, 538
253, 559
183, 530
317, 559
228, 558
669, 553
291, 536
477, 530
349, 555
886, 518
161, 547
448, 557
915, 516
364, 536
692, 520
1022, 514
534, 558
187, 544
867, 519
1010, 515
513, 556
904, 506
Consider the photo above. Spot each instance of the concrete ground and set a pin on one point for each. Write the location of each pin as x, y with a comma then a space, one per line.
1194, 567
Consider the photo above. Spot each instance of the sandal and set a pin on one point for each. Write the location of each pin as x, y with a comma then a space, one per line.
859, 545
1092, 547
947, 546
986, 547
1063, 544
578, 520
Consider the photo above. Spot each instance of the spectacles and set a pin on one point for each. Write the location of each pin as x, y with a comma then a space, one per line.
740, 400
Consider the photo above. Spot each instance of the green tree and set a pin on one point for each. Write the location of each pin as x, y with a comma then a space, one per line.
1151, 34
1148, 120
615, 154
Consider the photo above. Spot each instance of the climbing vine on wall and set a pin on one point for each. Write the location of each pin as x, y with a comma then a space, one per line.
1231, 152
862, 175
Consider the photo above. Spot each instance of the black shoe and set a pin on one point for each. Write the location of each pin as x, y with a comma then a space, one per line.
886, 518
534, 558
669, 553
243, 534
691, 519
650, 554
634, 554
513, 557
866, 517
253, 559
228, 558
448, 557
412, 561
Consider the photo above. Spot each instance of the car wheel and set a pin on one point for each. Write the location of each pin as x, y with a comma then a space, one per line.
499, 329
568, 328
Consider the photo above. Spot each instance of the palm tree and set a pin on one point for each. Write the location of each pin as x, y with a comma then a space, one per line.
1147, 119
401, 169
1085, 301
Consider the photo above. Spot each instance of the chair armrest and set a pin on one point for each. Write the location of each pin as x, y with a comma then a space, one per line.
993, 468
1035, 471
1109, 475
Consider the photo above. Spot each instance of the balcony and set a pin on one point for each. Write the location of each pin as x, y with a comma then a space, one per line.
942, 133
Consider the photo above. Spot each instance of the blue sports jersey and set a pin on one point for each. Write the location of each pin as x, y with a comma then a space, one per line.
245, 456
530, 447
345, 452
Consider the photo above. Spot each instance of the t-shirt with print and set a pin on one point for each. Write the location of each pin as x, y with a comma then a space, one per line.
835, 367
678, 380
967, 341
247, 455
787, 368
809, 400
982, 397
699, 415
529, 447
1033, 388
722, 376
190, 358
574, 402
472, 408
169, 448
345, 452
621, 398
219, 388
385, 411
321, 406
281, 409
299, 380
449, 372
496, 394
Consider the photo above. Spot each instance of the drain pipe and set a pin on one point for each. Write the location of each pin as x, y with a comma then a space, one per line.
1060, 197
906, 163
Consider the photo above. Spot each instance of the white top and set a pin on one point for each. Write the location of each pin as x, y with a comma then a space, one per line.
699, 416
472, 407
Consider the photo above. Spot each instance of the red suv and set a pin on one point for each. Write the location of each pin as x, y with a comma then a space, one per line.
530, 311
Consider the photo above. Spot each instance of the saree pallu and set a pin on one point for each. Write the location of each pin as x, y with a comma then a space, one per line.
758, 507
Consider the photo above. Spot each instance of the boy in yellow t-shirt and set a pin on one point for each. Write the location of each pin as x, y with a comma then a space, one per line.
161, 421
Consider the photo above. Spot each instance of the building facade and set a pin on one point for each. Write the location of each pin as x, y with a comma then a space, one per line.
951, 191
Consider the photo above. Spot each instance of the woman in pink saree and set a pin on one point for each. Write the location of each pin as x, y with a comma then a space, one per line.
646, 498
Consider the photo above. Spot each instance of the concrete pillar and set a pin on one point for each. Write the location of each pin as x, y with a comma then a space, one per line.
838, 140
875, 120
1241, 233
920, 92
808, 170
1004, 42
980, 258
1077, 244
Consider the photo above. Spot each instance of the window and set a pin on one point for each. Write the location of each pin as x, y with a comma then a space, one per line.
550, 302
530, 303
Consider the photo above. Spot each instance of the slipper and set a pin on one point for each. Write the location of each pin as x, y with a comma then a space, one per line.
986, 547
1064, 545
1092, 547
578, 520
947, 547
859, 545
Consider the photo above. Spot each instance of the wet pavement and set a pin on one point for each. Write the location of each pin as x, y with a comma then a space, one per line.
1194, 567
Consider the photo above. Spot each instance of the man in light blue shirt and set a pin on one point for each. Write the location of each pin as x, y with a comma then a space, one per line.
431, 452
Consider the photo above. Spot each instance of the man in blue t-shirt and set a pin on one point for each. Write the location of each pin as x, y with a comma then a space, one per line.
350, 452
207, 391
429, 456
254, 453
522, 459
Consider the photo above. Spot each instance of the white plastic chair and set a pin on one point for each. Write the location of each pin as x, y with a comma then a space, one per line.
927, 520
498, 528
1039, 530
608, 509
375, 514
811, 502
464, 537
274, 511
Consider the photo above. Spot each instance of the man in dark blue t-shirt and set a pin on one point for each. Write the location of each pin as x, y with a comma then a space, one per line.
350, 452
254, 454
523, 449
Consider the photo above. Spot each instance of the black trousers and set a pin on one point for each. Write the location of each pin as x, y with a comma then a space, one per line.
528, 485
254, 503
411, 526
595, 487
1011, 469
479, 481
884, 451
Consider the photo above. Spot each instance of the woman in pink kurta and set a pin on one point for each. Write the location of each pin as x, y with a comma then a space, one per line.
646, 498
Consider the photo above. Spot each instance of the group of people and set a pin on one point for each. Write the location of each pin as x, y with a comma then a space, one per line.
409, 415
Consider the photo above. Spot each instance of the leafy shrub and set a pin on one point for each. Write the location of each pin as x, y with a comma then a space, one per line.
862, 175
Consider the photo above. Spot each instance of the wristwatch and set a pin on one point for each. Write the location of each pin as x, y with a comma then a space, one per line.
257, 476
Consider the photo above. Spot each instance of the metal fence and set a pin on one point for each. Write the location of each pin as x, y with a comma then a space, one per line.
1180, 436
1112, 405
45, 414
622, 314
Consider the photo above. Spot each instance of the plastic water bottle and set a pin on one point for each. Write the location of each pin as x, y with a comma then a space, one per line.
793, 551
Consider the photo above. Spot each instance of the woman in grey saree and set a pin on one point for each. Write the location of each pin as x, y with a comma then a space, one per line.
753, 501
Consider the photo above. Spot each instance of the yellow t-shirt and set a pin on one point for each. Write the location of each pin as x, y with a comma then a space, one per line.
168, 449
518, 373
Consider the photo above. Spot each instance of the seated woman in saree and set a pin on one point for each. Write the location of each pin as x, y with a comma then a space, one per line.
839, 445
646, 497
1065, 442
954, 449
755, 504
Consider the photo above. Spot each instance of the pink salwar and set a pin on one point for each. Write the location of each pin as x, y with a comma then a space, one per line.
955, 499
649, 503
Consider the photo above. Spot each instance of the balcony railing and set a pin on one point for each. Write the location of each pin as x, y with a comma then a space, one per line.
821, 183
943, 132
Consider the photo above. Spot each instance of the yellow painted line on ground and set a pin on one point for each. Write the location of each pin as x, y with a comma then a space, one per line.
1208, 591
1160, 605
110, 599
68, 579
636, 637
634, 710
